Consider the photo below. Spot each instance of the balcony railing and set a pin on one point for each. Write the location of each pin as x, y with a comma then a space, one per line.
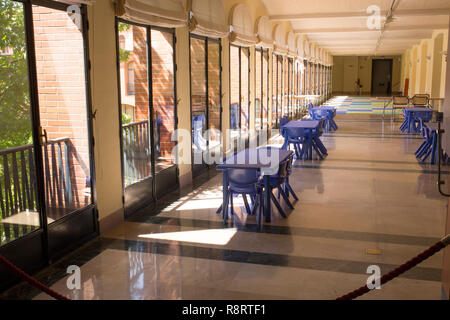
18, 187
136, 151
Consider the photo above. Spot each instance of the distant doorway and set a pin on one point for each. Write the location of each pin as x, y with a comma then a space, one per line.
382, 77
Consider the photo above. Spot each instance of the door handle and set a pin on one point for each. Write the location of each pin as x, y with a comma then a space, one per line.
43, 137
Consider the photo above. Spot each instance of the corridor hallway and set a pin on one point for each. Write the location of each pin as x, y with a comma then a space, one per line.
370, 193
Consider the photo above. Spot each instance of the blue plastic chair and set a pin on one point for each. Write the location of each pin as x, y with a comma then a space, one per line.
297, 137
277, 181
429, 147
288, 188
284, 121
245, 182
318, 146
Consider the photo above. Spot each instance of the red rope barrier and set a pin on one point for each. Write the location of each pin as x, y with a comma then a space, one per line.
401, 269
19, 273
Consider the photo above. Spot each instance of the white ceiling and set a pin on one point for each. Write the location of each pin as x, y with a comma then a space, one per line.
340, 26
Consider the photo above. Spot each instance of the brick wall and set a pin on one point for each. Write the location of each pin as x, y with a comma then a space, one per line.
198, 75
214, 95
140, 61
62, 95
245, 87
274, 89
265, 90
163, 89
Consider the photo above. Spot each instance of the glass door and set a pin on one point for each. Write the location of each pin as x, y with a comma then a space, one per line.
265, 90
214, 100
239, 97
262, 88
163, 109
259, 100
148, 112
206, 102
46, 169
64, 106
19, 200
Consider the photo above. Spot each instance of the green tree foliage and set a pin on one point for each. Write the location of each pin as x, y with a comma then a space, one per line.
15, 125
124, 55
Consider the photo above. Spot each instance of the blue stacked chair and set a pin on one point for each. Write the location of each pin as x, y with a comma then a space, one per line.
406, 123
430, 145
326, 114
419, 119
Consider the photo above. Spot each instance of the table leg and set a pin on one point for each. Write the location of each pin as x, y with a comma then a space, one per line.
310, 146
267, 204
225, 196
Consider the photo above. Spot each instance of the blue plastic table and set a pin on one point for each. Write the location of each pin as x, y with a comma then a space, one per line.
267, 160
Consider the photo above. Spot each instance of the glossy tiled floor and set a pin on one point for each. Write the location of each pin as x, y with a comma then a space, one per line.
370, 193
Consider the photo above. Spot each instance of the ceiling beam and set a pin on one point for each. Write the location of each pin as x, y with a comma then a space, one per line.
371, 50
365, 36
362, 41
361, 14
389, 28
370, 54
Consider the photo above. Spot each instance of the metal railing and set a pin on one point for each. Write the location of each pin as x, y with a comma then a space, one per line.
136, 151
18, 187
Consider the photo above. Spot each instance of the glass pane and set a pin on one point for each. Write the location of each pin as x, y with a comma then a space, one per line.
163, 97
214, 96
63, 110
274, 90
18, 192
280, 88
198, 88
258, 98
234, 92
265, 89
135, 107
245, 89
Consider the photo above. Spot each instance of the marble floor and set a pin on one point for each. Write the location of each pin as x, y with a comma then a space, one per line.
368, 203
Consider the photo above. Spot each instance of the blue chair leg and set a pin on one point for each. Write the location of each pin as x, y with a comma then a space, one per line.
426, 155
424, 149
247, 206
277, 204
434, 150
231, 203
285, 197
420, 148
289, 190
317, 150
321, 146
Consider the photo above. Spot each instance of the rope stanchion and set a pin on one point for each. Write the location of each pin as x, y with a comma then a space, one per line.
438, 246
24, 276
